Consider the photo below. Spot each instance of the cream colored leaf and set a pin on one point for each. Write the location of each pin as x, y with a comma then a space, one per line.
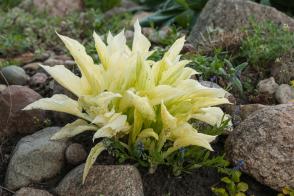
168, 121
140, 43
115, 125
143, 106
211, 115
66, 79
94, 153
162, 93
58, 103
172, 75
175, 49
148, 133
83, 60
72, 129
197, 139
101, 50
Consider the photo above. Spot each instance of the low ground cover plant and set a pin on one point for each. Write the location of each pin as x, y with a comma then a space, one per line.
140, 105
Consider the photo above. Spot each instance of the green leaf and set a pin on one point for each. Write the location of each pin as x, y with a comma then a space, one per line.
236, 175
226, 180
219, 191
240, 194
242, 186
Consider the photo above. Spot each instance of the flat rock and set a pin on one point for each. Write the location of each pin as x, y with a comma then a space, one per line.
35, 158
27, 191
13, 119
112, 180
232, 16
13, 75
264, 141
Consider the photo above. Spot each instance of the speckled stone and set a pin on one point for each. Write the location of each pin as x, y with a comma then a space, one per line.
110, 180
28, 191
264, 141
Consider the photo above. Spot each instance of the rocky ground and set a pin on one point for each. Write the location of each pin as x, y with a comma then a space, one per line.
263, 134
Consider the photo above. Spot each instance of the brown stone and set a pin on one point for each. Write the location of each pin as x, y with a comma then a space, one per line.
114, 180
12, 118
264, 141
27, 191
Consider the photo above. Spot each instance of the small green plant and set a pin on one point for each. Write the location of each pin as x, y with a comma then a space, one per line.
219, 66
103, 5
21, 31
286, 191
265, 42
141, 106
8, 4
232, 185
181, 12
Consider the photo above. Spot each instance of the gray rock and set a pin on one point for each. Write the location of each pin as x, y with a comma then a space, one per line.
37, 80
35, 158
28, 191
267, 86
13, 120
243, 111
264, 141
284, 93
114, 180
53, 62
32, 67
14, 75
75, 154
2, 87
232, 16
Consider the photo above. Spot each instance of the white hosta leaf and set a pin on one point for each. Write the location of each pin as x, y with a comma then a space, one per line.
102, 100
162, 93
94, 153
203, 102
141, 104
144, 78
211, 115
101, 50
173, 53
118, 123
84, 61
168, 121
58, 103
140, 43
197, 139
73, 129
148, 133
66, 79
172, 75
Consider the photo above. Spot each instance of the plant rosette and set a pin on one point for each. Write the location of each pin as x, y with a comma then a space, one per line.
128, 97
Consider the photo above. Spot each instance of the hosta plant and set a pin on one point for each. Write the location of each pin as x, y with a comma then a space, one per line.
133, 100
